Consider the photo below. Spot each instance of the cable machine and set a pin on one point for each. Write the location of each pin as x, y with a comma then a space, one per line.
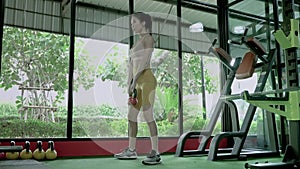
288, 38
240, 70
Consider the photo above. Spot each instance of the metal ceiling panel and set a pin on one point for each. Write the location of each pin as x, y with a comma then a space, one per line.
114, 4
157, 8
35, 14
46, 15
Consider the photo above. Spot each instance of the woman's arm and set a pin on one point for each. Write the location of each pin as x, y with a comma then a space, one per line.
130, 74
130, 71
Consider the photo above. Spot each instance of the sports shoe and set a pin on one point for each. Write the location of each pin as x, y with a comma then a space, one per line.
126, 154
152, 159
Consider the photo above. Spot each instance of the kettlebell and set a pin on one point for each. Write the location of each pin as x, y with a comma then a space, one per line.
39, 153
26, 153
51, 153
132, 98
12, 155
2, 156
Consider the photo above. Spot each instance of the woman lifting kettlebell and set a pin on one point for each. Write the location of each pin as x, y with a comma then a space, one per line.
142, 84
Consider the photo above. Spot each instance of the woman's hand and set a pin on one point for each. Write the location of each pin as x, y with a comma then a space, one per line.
128, 91
131, 87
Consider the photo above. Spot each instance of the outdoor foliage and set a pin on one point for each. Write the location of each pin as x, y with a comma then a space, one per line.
88, 121
38, 63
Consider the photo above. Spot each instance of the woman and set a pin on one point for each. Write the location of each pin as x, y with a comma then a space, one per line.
141, 80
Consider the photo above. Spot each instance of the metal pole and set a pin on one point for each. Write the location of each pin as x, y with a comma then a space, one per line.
203, 89
279, 75
270, 122
179, 52
291, 74
2, 9
223, 36
130, 12
71, 68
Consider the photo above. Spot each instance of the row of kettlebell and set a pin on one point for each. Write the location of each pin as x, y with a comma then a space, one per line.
38, 153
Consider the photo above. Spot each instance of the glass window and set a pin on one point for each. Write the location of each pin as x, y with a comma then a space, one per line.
100, 94
101, 105
200, 90
33, 84
100, 84
200, 71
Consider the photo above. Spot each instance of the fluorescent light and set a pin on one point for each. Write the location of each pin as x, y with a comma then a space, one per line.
232, 62
196, 27
239, 29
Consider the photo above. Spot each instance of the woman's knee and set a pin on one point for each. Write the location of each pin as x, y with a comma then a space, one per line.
148, 113
153, 128
132, 114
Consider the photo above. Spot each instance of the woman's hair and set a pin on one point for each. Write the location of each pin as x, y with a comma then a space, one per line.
143, 17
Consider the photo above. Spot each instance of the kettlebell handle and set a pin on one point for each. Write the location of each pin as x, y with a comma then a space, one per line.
134, 94
51, 145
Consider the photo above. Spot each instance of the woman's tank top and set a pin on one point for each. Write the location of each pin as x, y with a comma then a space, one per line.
138, 62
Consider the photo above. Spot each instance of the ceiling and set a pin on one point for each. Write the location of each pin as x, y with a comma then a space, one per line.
158, 7
193, 11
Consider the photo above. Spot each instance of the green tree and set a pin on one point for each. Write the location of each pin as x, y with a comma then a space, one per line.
113, 67
192, 76
38, 63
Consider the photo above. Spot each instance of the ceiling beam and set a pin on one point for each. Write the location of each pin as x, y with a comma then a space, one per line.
94, 6
297, 2
233, 3
200, 6
193, 4
232, 13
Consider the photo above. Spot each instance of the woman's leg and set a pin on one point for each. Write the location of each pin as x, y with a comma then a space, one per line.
129, 152
149, 117
148, 96
132, 126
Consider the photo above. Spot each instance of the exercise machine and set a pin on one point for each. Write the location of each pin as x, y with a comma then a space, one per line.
205, 135
291, 102
241, 69
288, 38
239, 136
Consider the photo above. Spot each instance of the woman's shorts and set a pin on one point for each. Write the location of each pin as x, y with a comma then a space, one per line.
145, 86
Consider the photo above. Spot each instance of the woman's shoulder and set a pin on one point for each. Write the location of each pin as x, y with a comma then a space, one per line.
148, 40
149, 37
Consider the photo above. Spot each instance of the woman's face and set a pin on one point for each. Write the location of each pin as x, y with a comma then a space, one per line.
136, 25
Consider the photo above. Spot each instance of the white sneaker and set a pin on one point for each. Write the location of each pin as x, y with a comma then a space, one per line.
152, 159
126, 154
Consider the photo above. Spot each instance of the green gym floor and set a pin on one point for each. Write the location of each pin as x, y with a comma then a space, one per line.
168, 162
